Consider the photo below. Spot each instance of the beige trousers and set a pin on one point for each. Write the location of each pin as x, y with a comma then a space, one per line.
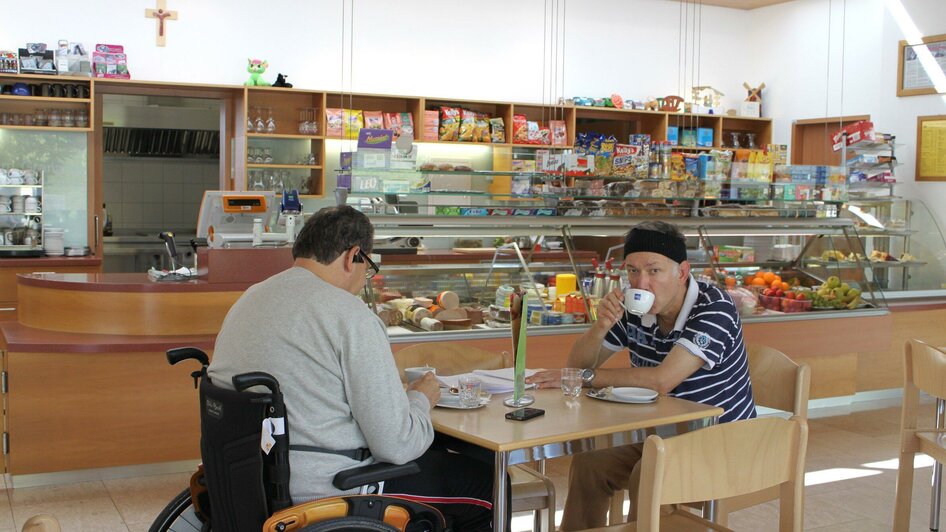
593, 479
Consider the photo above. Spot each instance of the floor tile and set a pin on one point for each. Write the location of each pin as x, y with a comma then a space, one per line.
96, 514
140, 500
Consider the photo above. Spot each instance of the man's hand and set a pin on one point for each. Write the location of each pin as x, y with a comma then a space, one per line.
550, 378
610, 310
428, 386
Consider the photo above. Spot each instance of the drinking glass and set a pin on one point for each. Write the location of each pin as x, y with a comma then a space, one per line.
735, 140
256, 180
750, 141
270, 121
260, 124
82, 118
39, 117
55, 118
251, 155
571, 382
267, 156
275, 183
469, 391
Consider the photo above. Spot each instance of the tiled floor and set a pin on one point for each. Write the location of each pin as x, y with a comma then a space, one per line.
851, 479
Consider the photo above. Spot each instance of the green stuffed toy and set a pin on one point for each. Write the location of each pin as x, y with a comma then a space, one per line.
256, 68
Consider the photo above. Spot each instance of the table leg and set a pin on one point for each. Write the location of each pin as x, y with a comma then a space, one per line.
936, 496
709, 509
500, 512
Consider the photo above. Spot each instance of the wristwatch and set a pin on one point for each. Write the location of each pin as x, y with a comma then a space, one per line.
587, 375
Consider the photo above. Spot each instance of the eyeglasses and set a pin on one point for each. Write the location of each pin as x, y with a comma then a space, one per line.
372, 269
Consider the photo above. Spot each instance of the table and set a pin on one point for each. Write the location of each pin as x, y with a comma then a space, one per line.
568, 427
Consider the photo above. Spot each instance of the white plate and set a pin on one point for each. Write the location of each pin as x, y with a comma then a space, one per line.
634, 394
624, 399
448, 400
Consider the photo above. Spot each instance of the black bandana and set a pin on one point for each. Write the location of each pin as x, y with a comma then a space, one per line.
655, 242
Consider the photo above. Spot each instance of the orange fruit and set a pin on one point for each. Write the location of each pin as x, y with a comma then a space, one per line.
730, 281
758, 281
776, 285
784, 286
768, 277
776, 279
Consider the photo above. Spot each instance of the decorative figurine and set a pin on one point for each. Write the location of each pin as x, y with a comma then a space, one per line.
706, 99
281, 81
755, 95
256, 68
670, 104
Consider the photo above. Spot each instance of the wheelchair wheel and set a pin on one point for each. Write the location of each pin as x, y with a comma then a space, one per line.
352, 524
178, 516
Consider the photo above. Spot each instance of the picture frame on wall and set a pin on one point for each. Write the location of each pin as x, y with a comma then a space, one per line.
913, 63
931, 148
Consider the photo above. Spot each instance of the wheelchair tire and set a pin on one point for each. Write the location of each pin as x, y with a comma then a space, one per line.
178, 516
352, 524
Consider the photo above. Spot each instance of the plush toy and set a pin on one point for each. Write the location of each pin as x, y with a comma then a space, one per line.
281, 81
256, 68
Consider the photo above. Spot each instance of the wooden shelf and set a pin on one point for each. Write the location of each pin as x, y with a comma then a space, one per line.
284, 166
51, 77
49, 128
44, 99
284, 136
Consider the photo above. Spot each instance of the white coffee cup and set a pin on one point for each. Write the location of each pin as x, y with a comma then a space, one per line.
413, 374
638, 301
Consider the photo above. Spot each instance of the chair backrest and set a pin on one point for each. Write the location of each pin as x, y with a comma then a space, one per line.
239, 475
777, 381
449, 358
724, 461
925, 368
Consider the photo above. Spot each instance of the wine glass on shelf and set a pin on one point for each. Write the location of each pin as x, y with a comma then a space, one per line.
270, 121
267, 156
256, 180
260, 123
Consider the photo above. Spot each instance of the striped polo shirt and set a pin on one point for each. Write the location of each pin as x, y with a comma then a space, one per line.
708, 327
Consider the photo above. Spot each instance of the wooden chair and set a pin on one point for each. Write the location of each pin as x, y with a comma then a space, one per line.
721, 462
532, 491
924, 370
778, 383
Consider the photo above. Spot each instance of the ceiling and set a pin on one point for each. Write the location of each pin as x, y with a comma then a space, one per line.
737, 4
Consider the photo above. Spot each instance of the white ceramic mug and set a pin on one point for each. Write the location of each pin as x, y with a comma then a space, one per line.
413, 374
638, 301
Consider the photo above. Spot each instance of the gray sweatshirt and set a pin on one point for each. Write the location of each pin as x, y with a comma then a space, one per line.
333, 361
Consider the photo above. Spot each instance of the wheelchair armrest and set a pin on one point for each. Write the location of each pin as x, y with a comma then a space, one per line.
378, 472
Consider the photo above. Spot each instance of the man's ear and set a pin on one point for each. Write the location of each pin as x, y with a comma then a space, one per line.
348, 259
684, 270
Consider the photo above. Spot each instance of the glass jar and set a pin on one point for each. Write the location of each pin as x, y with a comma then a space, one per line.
82, 118
39, 117
68, 118
55, 118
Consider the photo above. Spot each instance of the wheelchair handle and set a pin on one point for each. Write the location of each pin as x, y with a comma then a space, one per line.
256, 378
186, 353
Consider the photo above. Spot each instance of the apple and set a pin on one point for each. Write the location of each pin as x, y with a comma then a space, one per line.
789, 295
779, 292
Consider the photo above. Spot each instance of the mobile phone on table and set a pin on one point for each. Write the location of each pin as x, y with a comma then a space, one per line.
524, 413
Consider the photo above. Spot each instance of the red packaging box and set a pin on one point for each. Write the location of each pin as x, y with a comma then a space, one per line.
856, 132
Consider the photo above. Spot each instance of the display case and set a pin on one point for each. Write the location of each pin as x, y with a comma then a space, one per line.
729, 252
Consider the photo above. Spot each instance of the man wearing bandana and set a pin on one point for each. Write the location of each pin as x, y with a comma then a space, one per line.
688, 345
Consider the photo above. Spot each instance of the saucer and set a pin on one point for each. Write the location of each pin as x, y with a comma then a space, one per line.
453, 401
627, 395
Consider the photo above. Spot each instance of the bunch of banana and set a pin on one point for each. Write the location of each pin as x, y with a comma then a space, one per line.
833, 293
832, 255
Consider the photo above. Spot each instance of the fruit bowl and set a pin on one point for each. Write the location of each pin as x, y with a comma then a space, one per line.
795, 305
771, 302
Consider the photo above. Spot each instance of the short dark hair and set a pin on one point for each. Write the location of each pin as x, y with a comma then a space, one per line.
657, 237
332, 231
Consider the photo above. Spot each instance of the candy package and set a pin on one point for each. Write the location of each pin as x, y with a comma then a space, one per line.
333, 121
431, 125
374, 120
467, 125
624, 160
481, 128
352, 122
605, 156
545, 136
497, 130
532, 137
559, 133
407, 124
449, 123
520, 129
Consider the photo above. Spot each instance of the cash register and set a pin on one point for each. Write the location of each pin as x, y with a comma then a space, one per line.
248, 218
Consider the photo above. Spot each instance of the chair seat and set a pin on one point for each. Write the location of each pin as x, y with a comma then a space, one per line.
527, 482
679, 520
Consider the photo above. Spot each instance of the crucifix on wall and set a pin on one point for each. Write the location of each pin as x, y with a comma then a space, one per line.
160, 14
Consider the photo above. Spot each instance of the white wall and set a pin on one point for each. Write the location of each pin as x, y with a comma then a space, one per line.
493, 49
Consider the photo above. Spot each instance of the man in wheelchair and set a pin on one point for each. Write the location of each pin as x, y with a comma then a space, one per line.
344, 401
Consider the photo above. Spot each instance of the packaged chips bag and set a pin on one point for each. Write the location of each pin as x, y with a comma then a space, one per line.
467, 125
449, 123
431, 125
352, 122
497, 133
481, 128
520, 129
604, 159
333, 122
374, 120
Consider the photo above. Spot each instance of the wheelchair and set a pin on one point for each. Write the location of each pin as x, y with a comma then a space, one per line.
243, 482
